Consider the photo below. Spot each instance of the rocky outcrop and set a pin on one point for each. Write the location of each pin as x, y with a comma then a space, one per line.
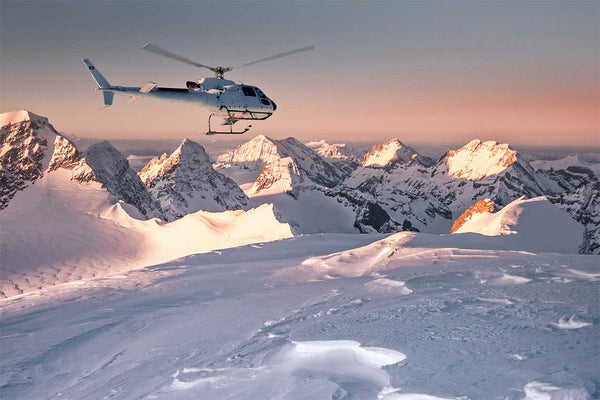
429, 195
185, 182
280, 176
482, 206
31, 147
112, 170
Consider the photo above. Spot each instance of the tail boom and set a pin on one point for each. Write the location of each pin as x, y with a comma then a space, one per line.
100, 80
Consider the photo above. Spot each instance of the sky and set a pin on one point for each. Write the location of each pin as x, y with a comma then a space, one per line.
526, 73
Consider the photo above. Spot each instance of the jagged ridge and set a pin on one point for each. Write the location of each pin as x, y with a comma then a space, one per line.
186, 182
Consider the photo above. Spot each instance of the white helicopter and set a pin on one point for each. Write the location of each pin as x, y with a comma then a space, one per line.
224, 98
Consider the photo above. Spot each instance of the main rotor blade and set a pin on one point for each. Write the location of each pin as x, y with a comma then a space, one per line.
157, 50
287, 53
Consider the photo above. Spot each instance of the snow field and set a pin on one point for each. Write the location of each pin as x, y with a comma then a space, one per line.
207, 326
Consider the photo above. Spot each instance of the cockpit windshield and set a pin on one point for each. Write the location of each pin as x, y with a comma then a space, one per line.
260, 93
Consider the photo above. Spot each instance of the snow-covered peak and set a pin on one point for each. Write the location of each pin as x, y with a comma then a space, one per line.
186, 182
258, 150
478, 159
188, 152
339, 151
191, 151
261, 151
279, 176
19, 116
31, 147
390, 152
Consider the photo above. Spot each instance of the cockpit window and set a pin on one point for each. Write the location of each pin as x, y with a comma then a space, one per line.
260, 93
248, 91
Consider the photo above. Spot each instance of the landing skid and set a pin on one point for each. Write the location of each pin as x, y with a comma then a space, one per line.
230, 132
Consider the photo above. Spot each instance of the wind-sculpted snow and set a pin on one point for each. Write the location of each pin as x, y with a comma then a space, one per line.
61, 230
571, 323
207, 326
540, 225
523, 230
289, 364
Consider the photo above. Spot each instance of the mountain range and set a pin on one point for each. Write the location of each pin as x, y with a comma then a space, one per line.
313, 187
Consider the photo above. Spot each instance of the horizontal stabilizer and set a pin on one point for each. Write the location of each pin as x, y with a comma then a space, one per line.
100, 80
108, 98
133, 99
148, 87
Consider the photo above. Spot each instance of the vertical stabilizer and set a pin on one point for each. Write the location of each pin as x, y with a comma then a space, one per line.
108, 98
100, 80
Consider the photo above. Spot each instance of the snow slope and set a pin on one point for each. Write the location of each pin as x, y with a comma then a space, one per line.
442, 323
535, 220
61, 230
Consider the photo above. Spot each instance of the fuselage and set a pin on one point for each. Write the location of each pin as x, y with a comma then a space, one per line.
220, 96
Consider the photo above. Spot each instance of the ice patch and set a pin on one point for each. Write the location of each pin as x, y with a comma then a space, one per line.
570, 323
543, 391
497, 301
416, 396
384, 285
507, 279
518, 357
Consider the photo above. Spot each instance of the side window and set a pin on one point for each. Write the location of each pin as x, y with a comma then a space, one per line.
265, 102
248, 91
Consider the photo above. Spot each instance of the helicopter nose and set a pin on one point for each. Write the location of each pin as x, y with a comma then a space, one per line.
274, 105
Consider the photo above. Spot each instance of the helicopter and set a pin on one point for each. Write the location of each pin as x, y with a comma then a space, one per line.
226, 99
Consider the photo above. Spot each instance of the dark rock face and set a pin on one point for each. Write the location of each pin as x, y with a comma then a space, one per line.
112, 170
372, 218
